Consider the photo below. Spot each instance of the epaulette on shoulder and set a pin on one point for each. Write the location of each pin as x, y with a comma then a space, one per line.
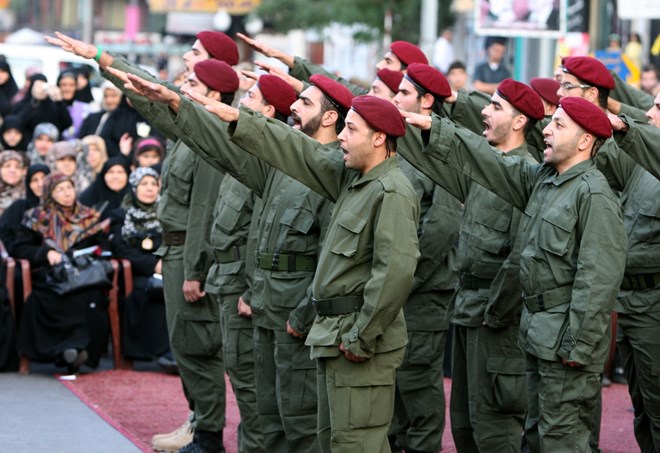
387, 180
595, 181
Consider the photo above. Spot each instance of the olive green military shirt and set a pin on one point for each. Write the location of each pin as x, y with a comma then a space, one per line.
640, 197
486, 243
572, 237
641, 143
293, 219
229, 237
371, 246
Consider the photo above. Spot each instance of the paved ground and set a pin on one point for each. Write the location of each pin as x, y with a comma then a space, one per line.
40, 415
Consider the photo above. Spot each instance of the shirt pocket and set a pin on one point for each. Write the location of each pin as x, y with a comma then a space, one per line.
648, 223
347, 235
492, 230
229, 212
180, 181
556, 231
298, 223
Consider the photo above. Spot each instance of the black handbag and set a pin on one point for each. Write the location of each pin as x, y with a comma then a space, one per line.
79, 274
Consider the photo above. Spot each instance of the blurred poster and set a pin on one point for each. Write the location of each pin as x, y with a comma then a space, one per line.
527, 18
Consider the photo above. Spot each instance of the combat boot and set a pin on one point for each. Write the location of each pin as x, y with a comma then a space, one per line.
205, 442
174, 441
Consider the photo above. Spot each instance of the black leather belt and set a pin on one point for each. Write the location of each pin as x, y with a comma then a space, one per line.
174, 238
338, 305
286, 262
471, 281
548, 299
235, 253
640, 282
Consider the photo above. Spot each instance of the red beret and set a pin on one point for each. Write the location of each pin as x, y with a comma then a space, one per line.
390, 78
380, 114
277, 93
408, 53
522, 98
589, 116
335, 91
589, 70
217, 75
219, 46
546, 88
429, 79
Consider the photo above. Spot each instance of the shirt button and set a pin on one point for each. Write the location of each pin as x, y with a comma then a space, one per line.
354, 337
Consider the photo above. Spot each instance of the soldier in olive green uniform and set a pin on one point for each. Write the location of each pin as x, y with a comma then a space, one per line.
572, 259
292, 226
227, 282
488, 401
365, 269
638, 304
419, 411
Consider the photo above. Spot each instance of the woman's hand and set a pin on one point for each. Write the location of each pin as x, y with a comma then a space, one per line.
126, 144
54, 257
159, 267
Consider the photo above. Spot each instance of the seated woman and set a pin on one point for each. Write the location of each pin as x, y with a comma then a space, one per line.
11, 218
69, 330
44, 136
109, 188
12, 172
135, 235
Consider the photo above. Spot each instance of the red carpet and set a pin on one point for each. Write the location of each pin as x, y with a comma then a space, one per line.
141, 404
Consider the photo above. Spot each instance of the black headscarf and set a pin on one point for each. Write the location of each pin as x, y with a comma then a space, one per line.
98, 193
84, 94
13, 215
7, 90
32, 111
14, 122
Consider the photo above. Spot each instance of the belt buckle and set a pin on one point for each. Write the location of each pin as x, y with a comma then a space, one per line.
275, 265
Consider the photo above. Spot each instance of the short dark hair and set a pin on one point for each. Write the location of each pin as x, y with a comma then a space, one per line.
227, 98
456, 65
327, 105
650, 67
529, 125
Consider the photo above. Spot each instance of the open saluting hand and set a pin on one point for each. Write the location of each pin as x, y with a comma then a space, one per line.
73, 46
223, 111
296, 84
267, 50
155, 92
418, 120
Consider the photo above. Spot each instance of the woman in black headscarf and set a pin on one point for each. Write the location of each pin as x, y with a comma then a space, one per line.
84, 92
8, 88
135, 235
124, 120
13, 135
109, 188
70, 329
38, 107
11, 218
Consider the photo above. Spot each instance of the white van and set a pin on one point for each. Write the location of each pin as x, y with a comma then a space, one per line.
50, 60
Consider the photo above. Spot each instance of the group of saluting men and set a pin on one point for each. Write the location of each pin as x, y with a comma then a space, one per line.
342, 244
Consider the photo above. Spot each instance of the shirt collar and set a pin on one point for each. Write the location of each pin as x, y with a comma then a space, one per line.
376, 172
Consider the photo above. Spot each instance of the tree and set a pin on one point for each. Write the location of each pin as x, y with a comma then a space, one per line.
285, 15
